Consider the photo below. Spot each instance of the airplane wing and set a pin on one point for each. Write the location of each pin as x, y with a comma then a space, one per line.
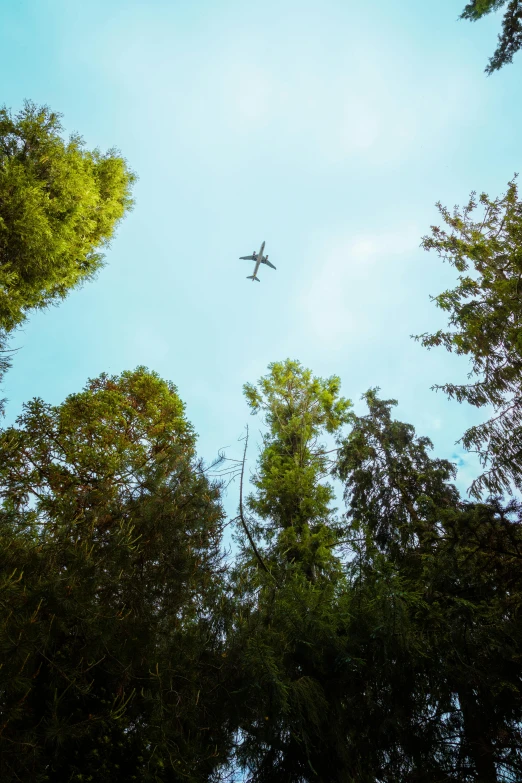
247, 258
268, 263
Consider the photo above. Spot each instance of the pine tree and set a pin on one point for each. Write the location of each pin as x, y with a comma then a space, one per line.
472, 632
445, 657
323, 655
510, 40
291, 491
393, 491
485, 312
393, 488
291, 615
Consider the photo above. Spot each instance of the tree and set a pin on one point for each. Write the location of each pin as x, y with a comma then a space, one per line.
111, 599
59, 205
5, 363
472, 631
393, 488
446, 574
510, 40
485, 309
291, 615
394, 491
291, 493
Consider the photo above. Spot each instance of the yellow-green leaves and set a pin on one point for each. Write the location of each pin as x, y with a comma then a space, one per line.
291, 397
510, 40
292, 495
59, 206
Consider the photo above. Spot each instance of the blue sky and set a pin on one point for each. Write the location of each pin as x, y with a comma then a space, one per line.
328, 128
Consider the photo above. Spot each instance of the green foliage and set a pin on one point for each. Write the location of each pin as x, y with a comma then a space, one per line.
5, 362
476, 9
472, 637
291, 492
394, 492
124, 658
290, 619
393, 488
59, 204
486, 313
127, 653
510, 40
292, 667
436, 588
111, 636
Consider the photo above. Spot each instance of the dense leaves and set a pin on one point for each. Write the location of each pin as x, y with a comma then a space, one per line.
510, 40
450, 683
392, 486
292, 495
59, 205
379, 646
485, 311
404, 662
109, 636
473, 588
291, 618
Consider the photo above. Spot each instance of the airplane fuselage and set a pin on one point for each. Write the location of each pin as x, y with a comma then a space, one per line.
259, 259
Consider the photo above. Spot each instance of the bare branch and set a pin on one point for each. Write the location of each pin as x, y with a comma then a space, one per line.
241, 515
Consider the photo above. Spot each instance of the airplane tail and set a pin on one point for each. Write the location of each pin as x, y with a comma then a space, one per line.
253, 277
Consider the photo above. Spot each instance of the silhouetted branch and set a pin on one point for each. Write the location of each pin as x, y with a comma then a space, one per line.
241, 515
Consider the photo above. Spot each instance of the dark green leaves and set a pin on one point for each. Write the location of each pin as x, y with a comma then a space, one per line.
510, 40
485, 313
111, 636
393, 488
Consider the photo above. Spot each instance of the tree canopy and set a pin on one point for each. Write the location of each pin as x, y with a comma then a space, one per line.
486, 315
110, 634
510, 39
393, 488
292, 616
291, 492
59, 206
378, 644
444, 576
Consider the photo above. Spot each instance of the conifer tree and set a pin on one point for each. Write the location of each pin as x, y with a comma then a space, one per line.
111, 629
449, 680
394, 490
292, 495
510, 40
307, 709
473, 638
485, 313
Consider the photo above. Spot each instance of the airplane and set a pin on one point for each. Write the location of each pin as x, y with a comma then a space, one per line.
259, 258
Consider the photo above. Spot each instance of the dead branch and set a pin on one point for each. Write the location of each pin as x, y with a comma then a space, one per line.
241, 515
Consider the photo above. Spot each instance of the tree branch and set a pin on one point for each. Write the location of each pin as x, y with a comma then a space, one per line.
241, 515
